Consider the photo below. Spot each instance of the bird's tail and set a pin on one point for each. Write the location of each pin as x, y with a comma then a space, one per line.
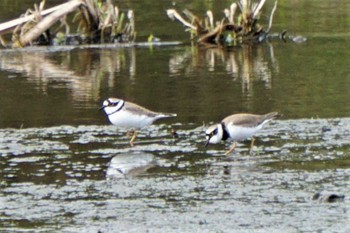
166, 115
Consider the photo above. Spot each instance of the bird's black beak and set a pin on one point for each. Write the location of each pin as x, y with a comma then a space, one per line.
207, 142
101, 108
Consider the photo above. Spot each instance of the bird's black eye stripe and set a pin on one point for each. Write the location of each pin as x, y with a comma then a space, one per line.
110, 103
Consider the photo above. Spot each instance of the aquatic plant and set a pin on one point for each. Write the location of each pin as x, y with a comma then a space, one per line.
103, 22
235, 27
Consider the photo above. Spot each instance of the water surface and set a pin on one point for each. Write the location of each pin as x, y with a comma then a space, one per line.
64, 168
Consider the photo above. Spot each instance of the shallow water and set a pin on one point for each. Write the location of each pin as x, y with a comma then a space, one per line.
64, 168
82, 178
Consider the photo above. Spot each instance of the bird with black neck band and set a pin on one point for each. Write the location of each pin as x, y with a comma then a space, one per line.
130, 116
237, 127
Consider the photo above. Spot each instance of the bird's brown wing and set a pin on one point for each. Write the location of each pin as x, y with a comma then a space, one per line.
137, 109
248, 120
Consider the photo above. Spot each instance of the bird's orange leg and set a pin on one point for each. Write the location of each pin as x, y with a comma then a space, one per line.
251, 145
133, 138
231, 149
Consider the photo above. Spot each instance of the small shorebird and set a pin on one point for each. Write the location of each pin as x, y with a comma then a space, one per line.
237, 127
130, 116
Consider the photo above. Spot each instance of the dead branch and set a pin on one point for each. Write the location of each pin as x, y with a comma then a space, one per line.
271, 17
172, 14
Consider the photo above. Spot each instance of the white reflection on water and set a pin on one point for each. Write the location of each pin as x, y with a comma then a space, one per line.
129, 164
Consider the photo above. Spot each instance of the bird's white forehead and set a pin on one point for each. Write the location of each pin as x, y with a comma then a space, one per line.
105, 103
211, 129
110, 100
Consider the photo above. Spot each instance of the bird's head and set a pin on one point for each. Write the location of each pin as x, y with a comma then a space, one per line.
112, 105
214, 134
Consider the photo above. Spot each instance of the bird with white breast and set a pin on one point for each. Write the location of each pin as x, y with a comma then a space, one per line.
237, 127
130, 116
